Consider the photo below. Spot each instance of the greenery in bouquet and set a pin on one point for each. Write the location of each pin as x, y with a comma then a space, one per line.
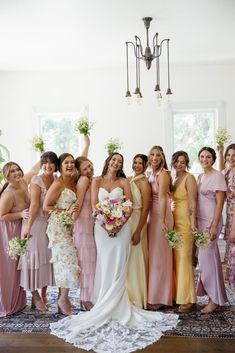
174, 238
222, 136
38, 144
113, 145
63, 218
202, 239
83, 125
17, 247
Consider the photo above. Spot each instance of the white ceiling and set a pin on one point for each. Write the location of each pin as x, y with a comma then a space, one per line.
77, 34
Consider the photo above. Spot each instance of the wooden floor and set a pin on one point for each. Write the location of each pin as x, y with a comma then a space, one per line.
45, 343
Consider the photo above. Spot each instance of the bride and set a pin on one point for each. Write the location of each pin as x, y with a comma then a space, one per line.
113, 324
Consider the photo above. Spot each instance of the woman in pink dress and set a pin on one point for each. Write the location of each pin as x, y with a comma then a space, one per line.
83, 232
36, 269
211, 193
160, 283
14, 203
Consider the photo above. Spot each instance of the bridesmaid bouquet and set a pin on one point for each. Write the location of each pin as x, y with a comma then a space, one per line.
38, 144
113, 145
83, 125
174, 239
17, 247
202, 239
222, 136
112, 214
63, 218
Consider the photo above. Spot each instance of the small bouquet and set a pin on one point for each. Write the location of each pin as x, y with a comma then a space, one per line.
83, 125
222, 136
202, 239
113, 145
63, 218
38, 144
174, 239
112, 213
17, 247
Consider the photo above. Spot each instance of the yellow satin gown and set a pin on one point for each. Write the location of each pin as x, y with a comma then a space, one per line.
183, 266
138, 259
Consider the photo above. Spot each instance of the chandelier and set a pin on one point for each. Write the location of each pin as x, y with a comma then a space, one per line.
147, 56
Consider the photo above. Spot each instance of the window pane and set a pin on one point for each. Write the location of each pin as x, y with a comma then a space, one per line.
193, 130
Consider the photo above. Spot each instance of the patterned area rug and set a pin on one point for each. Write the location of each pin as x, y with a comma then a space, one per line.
220, 324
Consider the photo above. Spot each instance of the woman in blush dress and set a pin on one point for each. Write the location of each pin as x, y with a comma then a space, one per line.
83, 232
185, 211
113, 324
14, 204
138, 261
211, 193
160, 283
62, 197
229, 235
36, 269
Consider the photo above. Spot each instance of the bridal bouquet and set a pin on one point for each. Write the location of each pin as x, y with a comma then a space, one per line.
63, 218
112, 213
174, 239
202, 239
84, 126
38, 144
222, 136
17, 247
113, 145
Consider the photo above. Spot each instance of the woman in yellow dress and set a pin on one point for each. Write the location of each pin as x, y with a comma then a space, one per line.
138, 261
184, 211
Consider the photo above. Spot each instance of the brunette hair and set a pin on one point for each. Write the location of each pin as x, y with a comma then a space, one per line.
230, 147
50, 157
163, 163
6, 172
120, 173
178, 154
62, 157
79, 160
210, 150
143, 157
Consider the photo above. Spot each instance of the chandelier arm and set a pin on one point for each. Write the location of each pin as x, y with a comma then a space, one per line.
127, 72
160, 45
168, 67
155, 39
135, 49
137, 39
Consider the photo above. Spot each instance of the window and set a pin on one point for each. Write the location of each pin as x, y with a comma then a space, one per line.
57, 129
192, 128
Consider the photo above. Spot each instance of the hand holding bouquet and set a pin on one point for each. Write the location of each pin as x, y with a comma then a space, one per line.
17, 247
38, 144
112, 214
202, 239
174, 238
84, 126
63, 218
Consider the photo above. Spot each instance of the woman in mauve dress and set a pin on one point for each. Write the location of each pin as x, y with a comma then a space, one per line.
211, 194
160, 282
36, 269
14, 204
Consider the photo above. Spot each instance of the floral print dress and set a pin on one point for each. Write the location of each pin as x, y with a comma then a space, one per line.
230, 247
64, 257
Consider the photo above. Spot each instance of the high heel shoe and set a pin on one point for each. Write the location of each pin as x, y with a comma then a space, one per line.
64, 308
187, 308
86, 305
154, 307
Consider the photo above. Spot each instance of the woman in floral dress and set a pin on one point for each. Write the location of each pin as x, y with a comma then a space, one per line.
61, 197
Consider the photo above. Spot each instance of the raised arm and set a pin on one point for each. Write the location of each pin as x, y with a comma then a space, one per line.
86, 145
191, 187
33, 171
220, 150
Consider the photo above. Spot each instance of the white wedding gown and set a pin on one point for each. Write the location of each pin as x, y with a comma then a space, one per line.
113, 324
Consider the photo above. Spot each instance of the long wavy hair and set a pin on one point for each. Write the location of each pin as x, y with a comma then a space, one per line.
6, 171
178, 154
144, 159
163, 163
62, 157
230, 147
120, 173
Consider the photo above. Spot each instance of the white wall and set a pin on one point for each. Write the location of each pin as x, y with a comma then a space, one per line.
139, 127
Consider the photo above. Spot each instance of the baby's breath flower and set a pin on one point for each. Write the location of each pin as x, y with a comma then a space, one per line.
113, 145
222, 136
17, 247
174, 238
83, 125
202, 239
38, 143
63, 218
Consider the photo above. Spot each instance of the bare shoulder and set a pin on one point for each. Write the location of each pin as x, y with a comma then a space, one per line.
83, 181
124, 181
